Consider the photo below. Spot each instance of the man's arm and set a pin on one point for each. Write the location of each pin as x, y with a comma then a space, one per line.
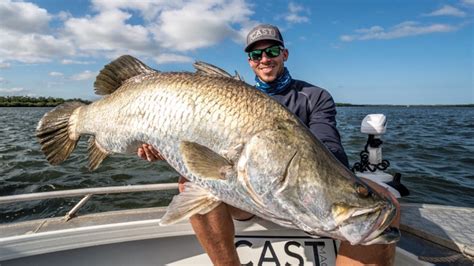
322, 123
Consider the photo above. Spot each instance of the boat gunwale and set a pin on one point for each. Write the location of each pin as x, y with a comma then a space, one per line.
86, 191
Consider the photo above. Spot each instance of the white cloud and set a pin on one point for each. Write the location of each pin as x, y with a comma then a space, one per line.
3, 80
31, 48
294, 15
405, 29
149, 9
63, 15
4, 65
467, 2
12, 90
108, 31
28, 35
75, 62
168, 25
85, 75
447, 10
24, 34
172, 58
56, 74
23, 17
54, 84
198, 24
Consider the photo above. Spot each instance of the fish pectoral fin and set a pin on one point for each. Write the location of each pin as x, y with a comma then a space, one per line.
204, 162
96, 154
193, 200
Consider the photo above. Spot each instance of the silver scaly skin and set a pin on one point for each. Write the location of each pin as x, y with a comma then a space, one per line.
234, 143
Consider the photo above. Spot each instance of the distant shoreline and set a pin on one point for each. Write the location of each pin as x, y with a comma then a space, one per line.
25, 101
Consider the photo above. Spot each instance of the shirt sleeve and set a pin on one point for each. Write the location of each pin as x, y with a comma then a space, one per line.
322, 123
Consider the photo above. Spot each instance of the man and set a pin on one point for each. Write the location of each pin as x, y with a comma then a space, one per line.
316, 109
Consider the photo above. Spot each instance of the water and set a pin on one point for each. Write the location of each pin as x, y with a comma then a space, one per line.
431, 146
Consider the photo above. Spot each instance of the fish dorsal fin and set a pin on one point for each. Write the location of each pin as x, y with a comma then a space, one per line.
96, 154
192, 200
203, 162
113, 75
204, 68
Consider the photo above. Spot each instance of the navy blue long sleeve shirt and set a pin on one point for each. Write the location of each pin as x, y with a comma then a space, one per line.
316, 109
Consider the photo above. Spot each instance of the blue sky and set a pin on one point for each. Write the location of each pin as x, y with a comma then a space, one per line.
372, 52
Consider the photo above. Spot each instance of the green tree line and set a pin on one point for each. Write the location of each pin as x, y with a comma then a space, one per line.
25, 101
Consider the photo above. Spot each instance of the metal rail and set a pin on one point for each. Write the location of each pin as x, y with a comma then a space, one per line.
86, 191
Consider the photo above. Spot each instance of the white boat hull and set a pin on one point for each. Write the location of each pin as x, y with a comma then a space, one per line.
134, 237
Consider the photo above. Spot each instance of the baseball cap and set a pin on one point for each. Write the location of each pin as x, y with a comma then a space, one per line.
263, 32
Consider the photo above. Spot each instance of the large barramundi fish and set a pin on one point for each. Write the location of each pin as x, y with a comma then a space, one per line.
234, 143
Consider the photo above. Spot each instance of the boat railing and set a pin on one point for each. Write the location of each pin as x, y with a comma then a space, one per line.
87, 194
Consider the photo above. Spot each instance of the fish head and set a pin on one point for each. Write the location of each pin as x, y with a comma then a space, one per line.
292, 178
326, 199
363, 217
358, 213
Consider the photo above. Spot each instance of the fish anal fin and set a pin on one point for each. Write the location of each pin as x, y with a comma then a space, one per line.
204, 162
193, 200
113, 75
96, 154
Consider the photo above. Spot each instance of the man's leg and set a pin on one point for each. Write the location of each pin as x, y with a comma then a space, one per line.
215, 232
373, 254
365, 255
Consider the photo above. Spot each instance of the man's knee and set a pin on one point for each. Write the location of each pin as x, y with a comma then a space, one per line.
239, 214
378, 254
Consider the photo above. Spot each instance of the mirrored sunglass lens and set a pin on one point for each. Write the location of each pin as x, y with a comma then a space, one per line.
256, 54
273, 51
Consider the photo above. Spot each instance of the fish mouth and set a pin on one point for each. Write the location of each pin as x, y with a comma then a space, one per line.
381, 215
388, 236
344, 214
382, 233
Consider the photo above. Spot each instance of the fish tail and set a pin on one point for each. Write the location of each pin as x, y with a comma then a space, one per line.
55, 132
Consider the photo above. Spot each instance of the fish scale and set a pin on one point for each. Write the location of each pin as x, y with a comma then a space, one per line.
233, 143
178, 99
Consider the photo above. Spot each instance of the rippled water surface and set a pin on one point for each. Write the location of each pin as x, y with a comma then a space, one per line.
431, 146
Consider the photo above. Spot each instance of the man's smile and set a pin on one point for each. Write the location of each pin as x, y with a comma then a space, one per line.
266, 69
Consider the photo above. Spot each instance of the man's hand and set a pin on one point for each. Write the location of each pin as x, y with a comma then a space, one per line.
147, 152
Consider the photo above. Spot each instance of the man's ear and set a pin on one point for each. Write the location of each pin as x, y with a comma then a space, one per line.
285, 54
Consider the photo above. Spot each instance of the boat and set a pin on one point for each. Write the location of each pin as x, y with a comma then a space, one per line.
431, 234
439, 234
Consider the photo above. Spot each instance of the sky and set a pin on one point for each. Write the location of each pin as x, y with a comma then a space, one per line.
362, 52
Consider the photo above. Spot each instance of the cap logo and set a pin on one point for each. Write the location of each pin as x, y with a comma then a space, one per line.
262, 32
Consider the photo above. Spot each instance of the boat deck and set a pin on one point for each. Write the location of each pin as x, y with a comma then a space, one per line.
450, 228
442, 235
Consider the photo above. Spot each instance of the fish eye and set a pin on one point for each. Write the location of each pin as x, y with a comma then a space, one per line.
362, 190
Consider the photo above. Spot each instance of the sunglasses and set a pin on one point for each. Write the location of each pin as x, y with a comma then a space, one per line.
272, 51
